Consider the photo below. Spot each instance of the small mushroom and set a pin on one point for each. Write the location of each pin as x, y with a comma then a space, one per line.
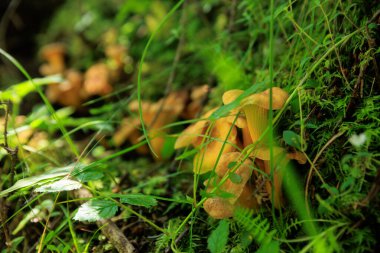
97, 80
54, 55
242, 192
220, 136
69, 92
197, 98
255, 108
159, 114
116, 53
262, 158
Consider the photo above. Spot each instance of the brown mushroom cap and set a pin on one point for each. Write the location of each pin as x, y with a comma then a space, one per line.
125, 130
262, 99
97, 80
68, 92
52, 50
53, 54
243, 173
256, 108
158, 115
193, 133
218, 208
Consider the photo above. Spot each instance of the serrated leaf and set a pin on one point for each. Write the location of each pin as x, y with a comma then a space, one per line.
138, 200
217, 241
292, 139
60, 185
95, 210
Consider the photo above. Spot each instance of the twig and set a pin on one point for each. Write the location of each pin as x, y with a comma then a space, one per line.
115, 236
13, 157
112, 232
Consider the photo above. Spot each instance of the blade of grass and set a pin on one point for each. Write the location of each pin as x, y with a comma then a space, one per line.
165, 19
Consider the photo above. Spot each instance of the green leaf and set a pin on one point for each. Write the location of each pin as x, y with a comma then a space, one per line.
272, 246
235, 178
231, 165
217, 241
95, 210
187, 154
31, 181
60, 185
89, 176
138, 200
292, 139
16, 92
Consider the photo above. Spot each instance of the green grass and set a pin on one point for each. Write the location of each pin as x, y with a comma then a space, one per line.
321, 52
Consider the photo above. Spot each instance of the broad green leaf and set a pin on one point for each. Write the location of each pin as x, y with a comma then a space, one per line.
231, 165
60, 185
32, 181
235, 178
138, 200
217, 241
89, 176
95, 210
292, 139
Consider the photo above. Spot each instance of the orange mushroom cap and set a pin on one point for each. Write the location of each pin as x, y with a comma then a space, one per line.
97, 80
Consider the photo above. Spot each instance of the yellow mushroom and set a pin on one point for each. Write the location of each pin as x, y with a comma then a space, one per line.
97, 80
242, 193
256, 107
54, 55
213, 138
69, 92
262, 159
159, 114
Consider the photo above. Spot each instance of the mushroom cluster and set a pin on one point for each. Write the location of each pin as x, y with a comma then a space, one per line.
77, 87
156, 116
219, 143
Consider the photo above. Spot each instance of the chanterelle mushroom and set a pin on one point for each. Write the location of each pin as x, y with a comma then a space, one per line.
241, 192
97, 80
54, 55
222, 137
159, 114
69, 92
256, 108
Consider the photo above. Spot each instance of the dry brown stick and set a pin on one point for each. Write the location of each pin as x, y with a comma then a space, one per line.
110, 230
115, 236
13, 156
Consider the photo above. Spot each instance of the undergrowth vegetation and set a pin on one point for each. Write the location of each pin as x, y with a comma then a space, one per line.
142, 131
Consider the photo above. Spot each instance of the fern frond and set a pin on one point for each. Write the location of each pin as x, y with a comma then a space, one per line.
258, 226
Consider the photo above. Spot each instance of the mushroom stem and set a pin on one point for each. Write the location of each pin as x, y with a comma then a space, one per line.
257, 120
277, 184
